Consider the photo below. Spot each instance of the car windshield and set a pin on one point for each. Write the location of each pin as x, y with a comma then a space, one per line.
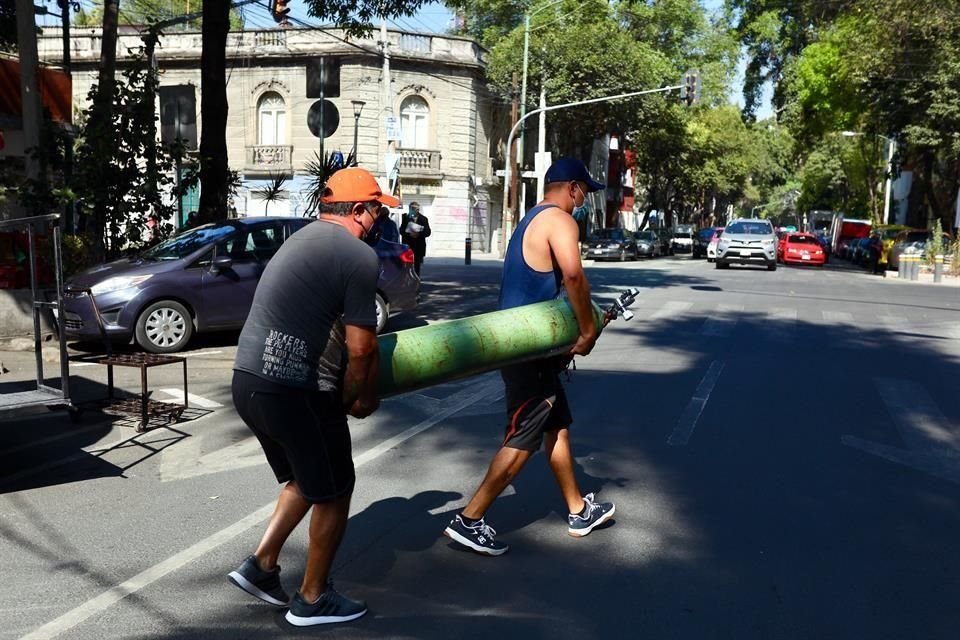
706, 234
685, 230
917, 236
802, 240
182, 245
890, 234
610, 234
751, 228
647, 235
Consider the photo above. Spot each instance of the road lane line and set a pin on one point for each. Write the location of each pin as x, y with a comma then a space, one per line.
725, 323
920, 422
195, 401
688, 420
115, 594
780, 324
671, 309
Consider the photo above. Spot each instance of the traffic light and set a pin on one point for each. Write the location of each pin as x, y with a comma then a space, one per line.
280, 11
690, 88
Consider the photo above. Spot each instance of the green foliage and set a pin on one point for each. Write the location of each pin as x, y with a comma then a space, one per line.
110, 163
8, 25
319, 171
357, 16
935, 246
272, 192
149, 12
76, 251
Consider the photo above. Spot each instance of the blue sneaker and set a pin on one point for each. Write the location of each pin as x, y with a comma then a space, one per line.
330, 607
259, 583
596, 514
479, 537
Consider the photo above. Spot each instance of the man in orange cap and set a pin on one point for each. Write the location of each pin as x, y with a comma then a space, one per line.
293, 386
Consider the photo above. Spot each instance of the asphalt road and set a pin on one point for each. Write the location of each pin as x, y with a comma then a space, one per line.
783, 449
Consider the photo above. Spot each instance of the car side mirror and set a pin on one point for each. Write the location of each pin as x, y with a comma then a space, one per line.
221, 263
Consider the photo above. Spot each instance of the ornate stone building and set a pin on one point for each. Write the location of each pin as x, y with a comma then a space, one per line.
436, 95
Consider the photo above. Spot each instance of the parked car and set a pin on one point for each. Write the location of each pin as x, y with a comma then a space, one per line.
911, 241
610, 244
860, 250
203, 280
665, 237
803, 248
682, 241
701, 240
648, 245
748, 241
712, 247
885, 235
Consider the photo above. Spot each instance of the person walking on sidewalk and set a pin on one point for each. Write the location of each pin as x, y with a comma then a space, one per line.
307, 357
543, 254
415, 230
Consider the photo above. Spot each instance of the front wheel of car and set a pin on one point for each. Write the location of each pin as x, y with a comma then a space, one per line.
383, 312
772, 267
720, 264
164, 327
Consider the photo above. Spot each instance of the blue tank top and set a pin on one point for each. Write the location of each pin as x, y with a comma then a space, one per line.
521, 283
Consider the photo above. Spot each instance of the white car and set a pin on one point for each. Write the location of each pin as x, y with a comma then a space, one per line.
748, 241
712, 246
682, 241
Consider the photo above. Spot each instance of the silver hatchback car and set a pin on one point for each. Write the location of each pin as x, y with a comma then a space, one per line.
748, 241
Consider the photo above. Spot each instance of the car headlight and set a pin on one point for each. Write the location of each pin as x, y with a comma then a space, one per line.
118, 283
723, 244
613, 246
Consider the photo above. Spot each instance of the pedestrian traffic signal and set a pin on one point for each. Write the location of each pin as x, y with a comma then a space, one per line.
690, 88
280, 11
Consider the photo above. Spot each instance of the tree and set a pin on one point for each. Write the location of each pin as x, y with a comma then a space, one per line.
353, 15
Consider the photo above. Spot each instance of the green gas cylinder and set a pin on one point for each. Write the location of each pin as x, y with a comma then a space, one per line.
425, 356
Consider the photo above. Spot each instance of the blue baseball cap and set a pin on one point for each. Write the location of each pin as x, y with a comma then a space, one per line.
569, 169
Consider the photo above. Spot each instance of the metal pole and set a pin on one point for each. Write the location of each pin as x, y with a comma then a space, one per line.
523, 85
66, 221
555, 107
938, 268
886, 190
323, 79
542, 135
356, 125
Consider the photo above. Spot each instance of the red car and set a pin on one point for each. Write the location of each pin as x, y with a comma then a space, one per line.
802, 248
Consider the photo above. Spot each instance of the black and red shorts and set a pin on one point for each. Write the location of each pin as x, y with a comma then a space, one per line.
536, 402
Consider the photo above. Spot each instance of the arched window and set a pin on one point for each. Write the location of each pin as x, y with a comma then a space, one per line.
414, 123
271, 119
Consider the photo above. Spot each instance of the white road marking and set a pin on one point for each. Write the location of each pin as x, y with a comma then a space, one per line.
894, 323
201, 353
933, 444
725, 322
105, 600
179, 463
842, 328
917, 417
83, 364
195, 401
671, 309
688, 420
780, 323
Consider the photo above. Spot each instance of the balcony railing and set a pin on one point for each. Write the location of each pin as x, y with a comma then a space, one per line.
419, 162
270, 158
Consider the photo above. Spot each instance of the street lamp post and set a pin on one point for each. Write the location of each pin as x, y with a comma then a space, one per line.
891, 149
357, 109
526, 59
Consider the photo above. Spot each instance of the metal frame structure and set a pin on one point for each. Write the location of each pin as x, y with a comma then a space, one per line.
43, 395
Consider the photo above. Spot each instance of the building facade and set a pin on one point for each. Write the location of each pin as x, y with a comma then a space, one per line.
430, 97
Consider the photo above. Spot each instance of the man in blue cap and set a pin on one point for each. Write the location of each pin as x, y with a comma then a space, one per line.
542, 259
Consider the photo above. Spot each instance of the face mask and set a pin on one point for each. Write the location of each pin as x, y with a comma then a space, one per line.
580, 212
372, 235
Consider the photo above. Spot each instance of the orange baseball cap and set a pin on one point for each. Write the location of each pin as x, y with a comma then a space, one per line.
355, 184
